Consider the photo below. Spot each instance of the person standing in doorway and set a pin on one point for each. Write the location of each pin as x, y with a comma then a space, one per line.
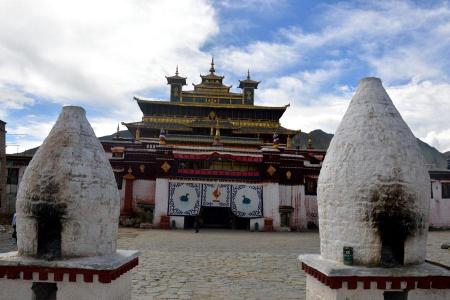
198, 222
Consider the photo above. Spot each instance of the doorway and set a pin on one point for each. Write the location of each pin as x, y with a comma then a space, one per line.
216, 217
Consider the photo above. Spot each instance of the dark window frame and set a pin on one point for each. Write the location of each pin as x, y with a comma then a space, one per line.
310, 186
12, 178
445, 189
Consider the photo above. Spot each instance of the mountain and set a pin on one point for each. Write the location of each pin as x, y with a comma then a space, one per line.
320, 140
434, 159
125, 134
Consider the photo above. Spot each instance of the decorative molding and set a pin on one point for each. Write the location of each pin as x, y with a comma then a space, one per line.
104, 276
412, 282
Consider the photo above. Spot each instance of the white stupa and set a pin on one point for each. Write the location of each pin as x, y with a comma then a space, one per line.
67, 222
373, 201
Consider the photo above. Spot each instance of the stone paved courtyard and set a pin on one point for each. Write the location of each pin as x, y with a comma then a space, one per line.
220, 264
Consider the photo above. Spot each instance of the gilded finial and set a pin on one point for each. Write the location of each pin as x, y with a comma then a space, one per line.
216, 141
117, 132
276, 140
162, 137
176, 71
310, 142
289, 142
138, 134
212, 70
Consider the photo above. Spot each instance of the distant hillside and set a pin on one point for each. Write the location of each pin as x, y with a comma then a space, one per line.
434, 158
320, 140
125, 134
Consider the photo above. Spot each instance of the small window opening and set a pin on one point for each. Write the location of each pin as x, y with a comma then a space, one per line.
49, 237
49, 227
44, 290
393, 238
397, 295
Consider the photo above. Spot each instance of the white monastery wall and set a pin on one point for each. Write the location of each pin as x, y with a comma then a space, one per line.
271, 203
179, 222
439, 207
294, 195
312, 211
161, 199
122, 195
259, 221
143, 192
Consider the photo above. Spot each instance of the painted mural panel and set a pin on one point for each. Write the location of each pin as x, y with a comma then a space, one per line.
246, 201
216, 195
184, 199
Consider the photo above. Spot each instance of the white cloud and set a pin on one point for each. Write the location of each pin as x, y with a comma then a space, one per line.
425, 107
28, 133
405, 44
12, 98
98, 54
100, 51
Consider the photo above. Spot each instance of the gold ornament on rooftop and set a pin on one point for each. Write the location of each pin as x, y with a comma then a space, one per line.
165, 167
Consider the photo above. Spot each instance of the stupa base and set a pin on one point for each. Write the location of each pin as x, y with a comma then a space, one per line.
330, 280
96, 278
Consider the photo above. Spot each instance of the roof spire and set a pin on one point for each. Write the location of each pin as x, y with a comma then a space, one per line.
248, 74
212, 70
176, 71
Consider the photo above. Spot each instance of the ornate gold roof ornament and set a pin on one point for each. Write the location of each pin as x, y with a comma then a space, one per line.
289, 142
288, 175
271, 170
310, 142
118, 132
276, 141
212, 70
138, 134
166, 167
217, 137
162, 137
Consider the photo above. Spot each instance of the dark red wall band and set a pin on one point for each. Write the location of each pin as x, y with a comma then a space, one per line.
420, 282
104, 276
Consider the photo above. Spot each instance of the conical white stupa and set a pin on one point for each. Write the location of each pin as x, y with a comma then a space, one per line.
68, 201
373, 189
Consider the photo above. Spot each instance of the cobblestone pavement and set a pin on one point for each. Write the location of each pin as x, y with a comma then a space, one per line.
220, 264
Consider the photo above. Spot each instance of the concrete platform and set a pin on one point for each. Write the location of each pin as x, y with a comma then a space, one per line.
96, 278
327, 279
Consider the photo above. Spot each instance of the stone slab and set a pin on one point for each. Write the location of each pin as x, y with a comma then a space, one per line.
335, 269
105, 262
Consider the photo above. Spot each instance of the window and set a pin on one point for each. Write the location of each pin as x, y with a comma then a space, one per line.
118, 177
445, 189
117, 154
431, 185
13, 176
310, 186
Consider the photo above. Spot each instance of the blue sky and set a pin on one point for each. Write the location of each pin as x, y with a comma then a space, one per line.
310, 54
